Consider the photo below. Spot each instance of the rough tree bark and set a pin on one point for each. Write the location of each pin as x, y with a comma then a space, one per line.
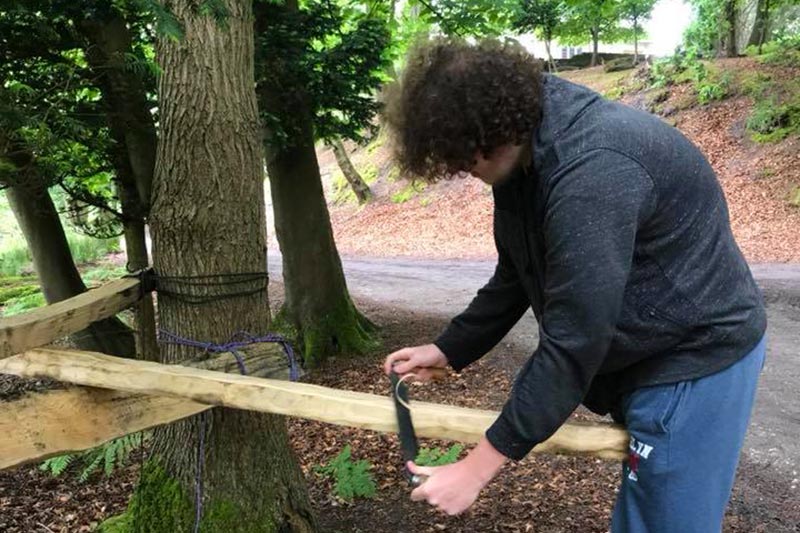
133, 130
595, 45
354, 179
318, 306
59, 278
758, 35
730, 19
208, 218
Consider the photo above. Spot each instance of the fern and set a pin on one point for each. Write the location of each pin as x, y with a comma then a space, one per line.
352, 478
111, 455
57, 465
437, 457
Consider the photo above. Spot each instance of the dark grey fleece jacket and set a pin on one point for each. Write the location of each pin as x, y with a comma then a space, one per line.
620, 241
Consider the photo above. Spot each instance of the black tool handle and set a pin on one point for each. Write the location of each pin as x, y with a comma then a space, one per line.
408, 437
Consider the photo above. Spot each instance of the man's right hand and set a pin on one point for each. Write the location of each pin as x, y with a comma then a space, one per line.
419, 359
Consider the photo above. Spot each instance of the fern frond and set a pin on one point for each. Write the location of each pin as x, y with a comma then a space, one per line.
56, 465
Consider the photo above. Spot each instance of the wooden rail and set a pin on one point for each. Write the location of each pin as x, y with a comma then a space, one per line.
48, 423
197, 386
42, 326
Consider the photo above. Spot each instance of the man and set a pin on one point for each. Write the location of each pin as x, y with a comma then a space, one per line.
613, 228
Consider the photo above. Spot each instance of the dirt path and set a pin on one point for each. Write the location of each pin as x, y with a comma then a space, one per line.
443, 288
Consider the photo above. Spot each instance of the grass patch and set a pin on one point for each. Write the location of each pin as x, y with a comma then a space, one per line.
597, 79
412, 189
794, 197
771, 121
15, 259
393, 174
103, 273
756, 84
342, 192
15, 306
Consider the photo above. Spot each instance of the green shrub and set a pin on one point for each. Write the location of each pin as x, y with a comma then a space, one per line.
771, 122
352, 478
783, 51
707, 92
709, 84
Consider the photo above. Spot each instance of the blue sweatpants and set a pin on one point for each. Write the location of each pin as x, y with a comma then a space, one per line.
684, 448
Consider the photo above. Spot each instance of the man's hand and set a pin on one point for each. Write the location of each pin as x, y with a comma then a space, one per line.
418, 359
454, 488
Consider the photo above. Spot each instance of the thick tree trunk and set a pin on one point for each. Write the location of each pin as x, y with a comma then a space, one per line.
133, 130
357, 183
208, 218
635, 40
730, 19
317, 306
758, 24
595, 46
38, 219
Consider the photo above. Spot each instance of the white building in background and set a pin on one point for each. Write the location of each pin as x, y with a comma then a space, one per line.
559, 51
664, 31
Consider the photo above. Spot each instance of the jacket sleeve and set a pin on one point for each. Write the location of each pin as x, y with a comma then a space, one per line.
492, 313
593, 210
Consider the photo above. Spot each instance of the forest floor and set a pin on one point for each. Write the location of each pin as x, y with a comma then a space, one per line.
541, 493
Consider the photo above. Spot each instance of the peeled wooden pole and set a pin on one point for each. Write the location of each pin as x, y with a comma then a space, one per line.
345, 408
54, 422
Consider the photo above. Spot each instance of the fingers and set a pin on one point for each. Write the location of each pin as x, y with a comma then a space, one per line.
426, 471
397, 358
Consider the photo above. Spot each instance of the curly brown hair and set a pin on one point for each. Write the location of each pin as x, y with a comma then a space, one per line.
456, 99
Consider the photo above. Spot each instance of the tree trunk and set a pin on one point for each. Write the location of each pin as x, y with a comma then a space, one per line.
758, 22
764, 28
635, 40
730, 19
548, 40
59, 278
208, 218
595, 46
133, 130
357, 183
317, 305
136, 248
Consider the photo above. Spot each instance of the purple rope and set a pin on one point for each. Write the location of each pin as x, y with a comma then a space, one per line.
238, 341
